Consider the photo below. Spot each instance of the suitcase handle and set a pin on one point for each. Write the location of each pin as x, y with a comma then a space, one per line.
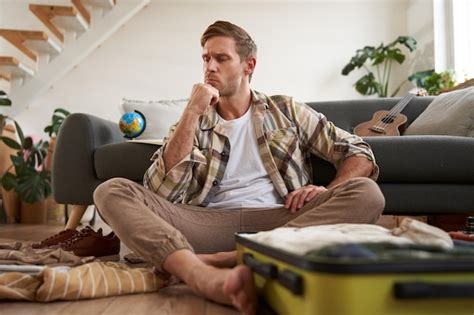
292, 281
426, 290
287, 278
268, 271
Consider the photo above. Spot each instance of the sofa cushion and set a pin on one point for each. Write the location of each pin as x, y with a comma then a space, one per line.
414, 159
129, 160
449, 114
159, 115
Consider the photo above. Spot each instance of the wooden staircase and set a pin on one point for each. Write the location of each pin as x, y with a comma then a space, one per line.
64, 25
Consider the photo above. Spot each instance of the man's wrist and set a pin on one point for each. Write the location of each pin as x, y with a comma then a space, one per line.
190, 115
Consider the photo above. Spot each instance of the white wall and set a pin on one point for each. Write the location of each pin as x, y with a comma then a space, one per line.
303, 47
420, 25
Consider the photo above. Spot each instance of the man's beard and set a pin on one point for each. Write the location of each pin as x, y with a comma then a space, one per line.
228, 90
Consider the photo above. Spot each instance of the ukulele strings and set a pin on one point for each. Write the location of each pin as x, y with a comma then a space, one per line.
387, 119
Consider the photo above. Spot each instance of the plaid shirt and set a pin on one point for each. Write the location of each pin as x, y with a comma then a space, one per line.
287, 134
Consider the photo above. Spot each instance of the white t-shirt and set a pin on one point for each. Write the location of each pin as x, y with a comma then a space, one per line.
246, 183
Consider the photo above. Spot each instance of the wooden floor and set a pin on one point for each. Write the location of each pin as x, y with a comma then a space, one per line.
178, 299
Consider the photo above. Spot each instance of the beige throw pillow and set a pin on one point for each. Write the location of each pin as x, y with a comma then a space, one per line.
449, 114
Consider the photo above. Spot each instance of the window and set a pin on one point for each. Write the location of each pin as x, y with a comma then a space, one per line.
454, 37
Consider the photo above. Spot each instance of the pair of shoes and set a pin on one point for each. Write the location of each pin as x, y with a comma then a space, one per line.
103, 247
85, 242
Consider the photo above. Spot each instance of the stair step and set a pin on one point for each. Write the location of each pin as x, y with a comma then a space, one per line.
82, 9
4, 77
106, 4
30, 42
11, 68
55, 17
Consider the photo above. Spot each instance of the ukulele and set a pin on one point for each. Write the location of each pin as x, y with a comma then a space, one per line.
388, 123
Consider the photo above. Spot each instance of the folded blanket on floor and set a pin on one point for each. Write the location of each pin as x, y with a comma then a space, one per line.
91, 280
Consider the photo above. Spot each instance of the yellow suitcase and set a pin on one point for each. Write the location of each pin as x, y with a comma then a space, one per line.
291, 284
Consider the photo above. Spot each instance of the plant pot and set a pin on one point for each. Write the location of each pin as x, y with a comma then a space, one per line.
33, 213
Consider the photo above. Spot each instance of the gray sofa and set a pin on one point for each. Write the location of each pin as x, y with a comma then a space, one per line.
418, 174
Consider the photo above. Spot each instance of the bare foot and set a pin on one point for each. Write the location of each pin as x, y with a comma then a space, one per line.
228, 286
239, 286
220, 260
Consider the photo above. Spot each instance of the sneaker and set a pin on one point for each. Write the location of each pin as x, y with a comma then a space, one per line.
94, 244
56, 238
61, 237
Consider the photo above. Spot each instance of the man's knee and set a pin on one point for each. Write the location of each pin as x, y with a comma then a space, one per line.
103, 193
370, 195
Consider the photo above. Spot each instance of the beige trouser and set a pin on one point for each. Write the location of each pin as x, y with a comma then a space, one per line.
153, 227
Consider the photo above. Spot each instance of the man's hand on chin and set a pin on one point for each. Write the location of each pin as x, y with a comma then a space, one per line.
299, 197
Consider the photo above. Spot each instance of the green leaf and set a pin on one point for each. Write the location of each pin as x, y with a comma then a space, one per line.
5, 102
58, 118
20, 133
358, 60
17, 160
11, 143
408, 41
396, 54
347, 69
8, 181
378, 55
367, 85
34, 187
62, 111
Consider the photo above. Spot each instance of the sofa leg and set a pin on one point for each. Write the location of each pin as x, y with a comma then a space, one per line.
76, 215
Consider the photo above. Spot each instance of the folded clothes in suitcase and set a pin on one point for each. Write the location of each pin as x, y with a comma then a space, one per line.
347, 278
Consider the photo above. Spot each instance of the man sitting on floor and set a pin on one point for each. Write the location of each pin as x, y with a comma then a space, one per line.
237, 160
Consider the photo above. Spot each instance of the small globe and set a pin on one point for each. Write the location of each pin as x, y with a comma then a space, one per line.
132, 124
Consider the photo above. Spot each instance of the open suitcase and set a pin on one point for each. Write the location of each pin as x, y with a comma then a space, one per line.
292, 284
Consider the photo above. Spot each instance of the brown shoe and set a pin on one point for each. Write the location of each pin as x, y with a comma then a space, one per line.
94, 244
56, 238
61, 237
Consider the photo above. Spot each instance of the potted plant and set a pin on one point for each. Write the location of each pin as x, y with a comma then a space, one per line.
54, 209
433, 82
381, 60
52, 130
27, 176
